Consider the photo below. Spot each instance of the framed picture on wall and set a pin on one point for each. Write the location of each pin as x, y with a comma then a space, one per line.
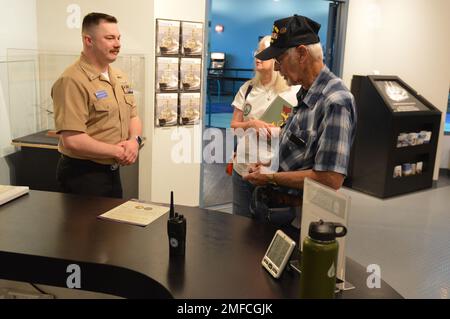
166, 74
166, 109
190, 74
192, 38
189, 108
168, 37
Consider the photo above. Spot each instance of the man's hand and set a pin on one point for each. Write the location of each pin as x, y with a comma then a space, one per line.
261, 127
130, 154
255, 176
119, 155
255, 123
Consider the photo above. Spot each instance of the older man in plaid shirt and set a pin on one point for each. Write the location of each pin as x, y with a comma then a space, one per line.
316, 139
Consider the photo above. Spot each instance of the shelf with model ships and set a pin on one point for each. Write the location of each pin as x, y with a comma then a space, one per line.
179, 38
177, 109
178, 82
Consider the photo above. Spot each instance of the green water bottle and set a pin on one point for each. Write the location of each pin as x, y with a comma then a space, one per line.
319, 260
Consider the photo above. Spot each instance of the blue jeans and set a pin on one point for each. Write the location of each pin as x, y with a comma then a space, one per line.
242, 195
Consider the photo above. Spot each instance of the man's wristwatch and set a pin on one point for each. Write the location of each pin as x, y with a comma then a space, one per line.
271, 178
139, 140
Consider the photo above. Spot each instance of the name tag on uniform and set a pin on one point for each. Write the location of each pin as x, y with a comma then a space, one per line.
126, 89
101, 94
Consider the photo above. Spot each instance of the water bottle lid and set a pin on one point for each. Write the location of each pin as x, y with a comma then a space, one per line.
326, 231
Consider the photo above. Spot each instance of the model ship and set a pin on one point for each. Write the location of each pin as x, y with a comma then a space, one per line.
168, 80
191, 81
167, 116
169, 44
192, 46
190, 115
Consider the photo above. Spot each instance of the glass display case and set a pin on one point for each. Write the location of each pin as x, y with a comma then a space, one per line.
30, 77
27, 77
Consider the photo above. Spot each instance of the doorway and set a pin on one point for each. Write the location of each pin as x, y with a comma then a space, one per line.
234, 34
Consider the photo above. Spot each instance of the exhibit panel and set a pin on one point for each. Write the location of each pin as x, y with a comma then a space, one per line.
397, 134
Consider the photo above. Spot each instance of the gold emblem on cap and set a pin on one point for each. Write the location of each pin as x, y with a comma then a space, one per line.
275, 29
283, 30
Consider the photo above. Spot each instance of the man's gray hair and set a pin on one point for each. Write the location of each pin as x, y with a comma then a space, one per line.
316, 51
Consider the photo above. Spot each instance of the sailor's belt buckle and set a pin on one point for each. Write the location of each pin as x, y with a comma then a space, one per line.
114, 166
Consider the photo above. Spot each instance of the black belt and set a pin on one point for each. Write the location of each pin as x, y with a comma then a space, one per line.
88, 163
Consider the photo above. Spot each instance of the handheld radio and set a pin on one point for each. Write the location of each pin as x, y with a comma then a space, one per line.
176, 230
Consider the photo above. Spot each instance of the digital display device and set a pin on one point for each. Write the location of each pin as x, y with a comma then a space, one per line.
278, 254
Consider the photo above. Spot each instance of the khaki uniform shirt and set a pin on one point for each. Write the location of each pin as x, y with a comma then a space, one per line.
85, 101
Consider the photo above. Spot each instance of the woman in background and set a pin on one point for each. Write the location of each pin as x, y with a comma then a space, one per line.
250, 103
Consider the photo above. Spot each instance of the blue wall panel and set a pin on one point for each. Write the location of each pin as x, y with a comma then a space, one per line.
245, 20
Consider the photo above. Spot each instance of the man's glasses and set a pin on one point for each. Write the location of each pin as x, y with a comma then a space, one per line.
281, 57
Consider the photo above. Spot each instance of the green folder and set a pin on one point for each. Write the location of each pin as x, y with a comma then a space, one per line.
277, 112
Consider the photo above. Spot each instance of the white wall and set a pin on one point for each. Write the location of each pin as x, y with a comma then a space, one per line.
407, 38
18, 25
17, 30
183, 178
134, 18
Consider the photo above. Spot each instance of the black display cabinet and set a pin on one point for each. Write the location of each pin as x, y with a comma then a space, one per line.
396, 138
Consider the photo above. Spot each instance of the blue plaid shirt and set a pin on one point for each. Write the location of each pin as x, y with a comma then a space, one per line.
319, 133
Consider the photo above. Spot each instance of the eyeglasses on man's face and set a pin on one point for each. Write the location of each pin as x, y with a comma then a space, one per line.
279, 59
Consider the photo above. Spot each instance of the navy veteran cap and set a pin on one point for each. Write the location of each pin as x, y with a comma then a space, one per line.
290, 32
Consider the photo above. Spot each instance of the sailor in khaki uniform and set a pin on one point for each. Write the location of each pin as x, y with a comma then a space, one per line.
96, 114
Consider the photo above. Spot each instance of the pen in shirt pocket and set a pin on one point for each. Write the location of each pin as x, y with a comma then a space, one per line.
297, 140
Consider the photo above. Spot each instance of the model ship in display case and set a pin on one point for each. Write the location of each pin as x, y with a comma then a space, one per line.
168, 37
190, 108
166, 109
